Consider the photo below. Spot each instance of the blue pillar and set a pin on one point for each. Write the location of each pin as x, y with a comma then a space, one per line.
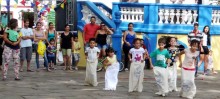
117, 36
205, 18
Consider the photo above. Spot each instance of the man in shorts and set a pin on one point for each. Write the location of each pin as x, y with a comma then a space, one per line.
26, 45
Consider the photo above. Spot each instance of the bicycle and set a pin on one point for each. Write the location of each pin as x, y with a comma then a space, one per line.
100, 65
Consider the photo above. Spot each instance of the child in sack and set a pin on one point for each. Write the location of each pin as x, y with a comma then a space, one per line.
136, 76
92, 54
160, 67
111, 74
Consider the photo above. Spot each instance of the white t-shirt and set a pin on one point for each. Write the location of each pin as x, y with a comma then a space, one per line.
204, 43
26, 32
137, 54
189, 61
92, 53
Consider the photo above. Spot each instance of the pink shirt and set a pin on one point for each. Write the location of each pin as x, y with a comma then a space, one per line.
189, 61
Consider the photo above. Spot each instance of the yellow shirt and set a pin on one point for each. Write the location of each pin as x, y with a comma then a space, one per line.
76, 46
112, 60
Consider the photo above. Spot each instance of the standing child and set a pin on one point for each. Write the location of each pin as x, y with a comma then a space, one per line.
75, 55
92, 54
51, 49
160, 67
210, 63
111, 74
188, 87
136, 76
11, 48
172, 67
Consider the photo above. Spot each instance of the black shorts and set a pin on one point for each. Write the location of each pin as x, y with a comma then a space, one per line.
205, 49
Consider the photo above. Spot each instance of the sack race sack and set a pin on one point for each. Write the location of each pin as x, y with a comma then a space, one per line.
136, 76
91, 74
60, 56
111, 76
41, 48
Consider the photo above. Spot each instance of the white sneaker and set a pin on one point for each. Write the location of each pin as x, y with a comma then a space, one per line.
163, 95
126, 69
158, 93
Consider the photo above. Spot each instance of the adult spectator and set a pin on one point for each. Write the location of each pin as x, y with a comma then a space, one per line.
26, 46
51, 34
195, 34
66, 46
90, 30
101, 36
128, 38
39, 35
204, 54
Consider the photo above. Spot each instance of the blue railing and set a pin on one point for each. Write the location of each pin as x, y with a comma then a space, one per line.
151, 23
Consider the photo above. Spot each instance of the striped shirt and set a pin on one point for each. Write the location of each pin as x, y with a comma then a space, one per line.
195, 36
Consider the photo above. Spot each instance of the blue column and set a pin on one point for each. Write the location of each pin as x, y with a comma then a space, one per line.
117, 36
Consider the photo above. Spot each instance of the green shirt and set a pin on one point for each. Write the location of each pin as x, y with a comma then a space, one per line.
161, 57
12, 35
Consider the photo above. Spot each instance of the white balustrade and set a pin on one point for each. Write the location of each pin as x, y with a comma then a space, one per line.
132, 14
161, 16
172, 16
87, 14
177, 16
195, 15
105, 12
215, 17
166, 16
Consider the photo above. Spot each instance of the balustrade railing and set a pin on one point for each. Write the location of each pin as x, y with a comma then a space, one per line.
104, 9
87, 14
132, 14
178, 15
216, 16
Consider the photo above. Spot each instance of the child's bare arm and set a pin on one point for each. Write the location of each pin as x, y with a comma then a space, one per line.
151, 64
106, 62
129, 57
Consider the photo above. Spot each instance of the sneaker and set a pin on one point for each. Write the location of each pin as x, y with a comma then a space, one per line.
17, 79
163, 95
76, 68
158, 93
126, 69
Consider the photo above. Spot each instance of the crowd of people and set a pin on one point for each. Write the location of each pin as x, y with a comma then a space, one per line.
19, 47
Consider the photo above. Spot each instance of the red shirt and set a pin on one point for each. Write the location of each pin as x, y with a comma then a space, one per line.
90, 31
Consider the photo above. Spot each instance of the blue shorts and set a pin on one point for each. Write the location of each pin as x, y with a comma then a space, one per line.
102, 46
51, 59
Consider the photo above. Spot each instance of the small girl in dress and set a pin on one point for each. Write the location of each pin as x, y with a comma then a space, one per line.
92, 54
188, 87
111, 74
136, 76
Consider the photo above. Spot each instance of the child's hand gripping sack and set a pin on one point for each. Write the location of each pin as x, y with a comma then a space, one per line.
41, 48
